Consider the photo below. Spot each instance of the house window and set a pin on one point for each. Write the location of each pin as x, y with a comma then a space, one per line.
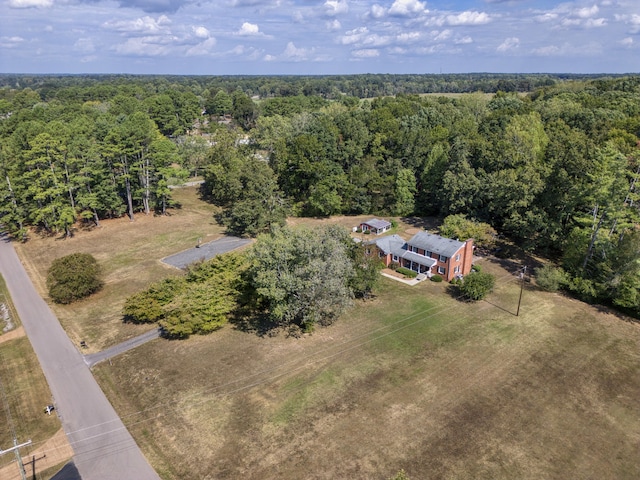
427, 253
442, 270
395, 258
457, 257
457, 269
443, 259
367, 251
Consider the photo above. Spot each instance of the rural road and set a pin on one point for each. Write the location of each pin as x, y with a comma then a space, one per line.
104, 449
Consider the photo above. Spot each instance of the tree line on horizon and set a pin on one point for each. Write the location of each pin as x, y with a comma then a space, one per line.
556, 170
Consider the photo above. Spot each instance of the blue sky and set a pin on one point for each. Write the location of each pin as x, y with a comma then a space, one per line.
226, 37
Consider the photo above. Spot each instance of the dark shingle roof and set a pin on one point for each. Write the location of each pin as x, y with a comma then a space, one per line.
377, 223
391, 244
436, 244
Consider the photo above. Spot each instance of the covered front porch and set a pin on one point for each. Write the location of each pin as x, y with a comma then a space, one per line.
416, 262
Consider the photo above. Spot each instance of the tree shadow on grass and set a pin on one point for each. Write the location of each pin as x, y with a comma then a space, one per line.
257, 323
425, 223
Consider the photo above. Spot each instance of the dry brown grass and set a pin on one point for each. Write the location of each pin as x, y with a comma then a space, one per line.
129, 253
411, 379
26, 393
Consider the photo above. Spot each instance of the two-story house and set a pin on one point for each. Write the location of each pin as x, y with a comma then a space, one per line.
428, 253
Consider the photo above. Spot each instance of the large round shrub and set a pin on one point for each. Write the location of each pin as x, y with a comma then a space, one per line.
477, 285
73, 277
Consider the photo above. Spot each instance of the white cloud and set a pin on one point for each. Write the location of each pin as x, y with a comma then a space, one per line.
203, 48
334, 25
201, 32
509, 45
633, 20
377, 11
409, 37
10, 42
144, 25
627, 42
587, 12
291, 52
248, 30
354, 36
405, 8
361, 38
150, 46
441, 36
568, 50
595, 22
336, 7
365, 53
463, 40
30, 3
468, 18
84, 45
143, 47
546, 17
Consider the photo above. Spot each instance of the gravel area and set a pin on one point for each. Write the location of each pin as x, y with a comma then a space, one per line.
205, 251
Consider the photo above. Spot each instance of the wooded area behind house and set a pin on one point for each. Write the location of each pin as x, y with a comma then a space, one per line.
551, 162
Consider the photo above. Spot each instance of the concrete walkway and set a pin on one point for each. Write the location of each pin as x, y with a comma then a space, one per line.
406, 281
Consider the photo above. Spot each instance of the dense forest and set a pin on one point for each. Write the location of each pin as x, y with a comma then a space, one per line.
550, 162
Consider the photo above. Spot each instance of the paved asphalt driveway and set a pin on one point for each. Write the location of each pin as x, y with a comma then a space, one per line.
104, 449
134, 342
205, 251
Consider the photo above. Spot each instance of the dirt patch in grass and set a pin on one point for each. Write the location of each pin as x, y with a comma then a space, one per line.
129, 253
411, 380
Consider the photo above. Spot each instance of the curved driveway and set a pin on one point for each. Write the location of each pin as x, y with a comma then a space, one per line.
104, 449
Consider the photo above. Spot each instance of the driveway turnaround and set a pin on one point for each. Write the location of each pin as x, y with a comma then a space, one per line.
103, 448
205, 251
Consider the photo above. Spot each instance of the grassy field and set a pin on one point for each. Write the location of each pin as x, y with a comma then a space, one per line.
412, 379
23, 394
130, 254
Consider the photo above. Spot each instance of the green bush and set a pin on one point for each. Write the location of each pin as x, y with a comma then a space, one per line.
477, 285
476, 268
407, 273
73, 277
551, 278
436, 278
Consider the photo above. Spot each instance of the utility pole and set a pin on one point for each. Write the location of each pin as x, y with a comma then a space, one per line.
16, 448
522, 274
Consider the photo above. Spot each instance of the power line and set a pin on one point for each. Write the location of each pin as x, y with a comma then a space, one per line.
310, 360
16, 447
